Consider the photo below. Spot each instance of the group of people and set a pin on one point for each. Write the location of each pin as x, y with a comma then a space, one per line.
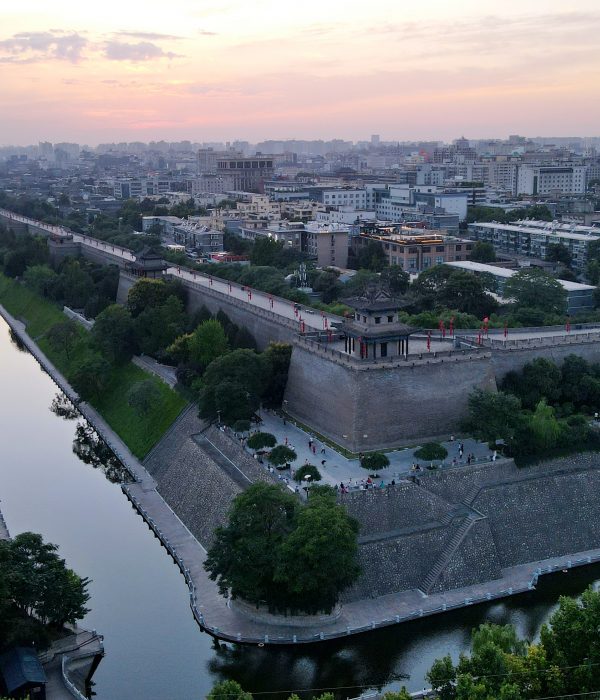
362, 485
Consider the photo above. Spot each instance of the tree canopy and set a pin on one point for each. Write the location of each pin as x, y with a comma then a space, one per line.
374, 461
113, 333
501, 666
483, 252
444, 286
36, 590
533, 288
259, 441
287, 556
232, 386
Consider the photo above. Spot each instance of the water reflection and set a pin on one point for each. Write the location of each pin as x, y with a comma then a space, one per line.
392, 657
16, 341
91, 449
63, 407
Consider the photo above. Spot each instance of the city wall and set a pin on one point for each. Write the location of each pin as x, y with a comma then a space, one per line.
366, 407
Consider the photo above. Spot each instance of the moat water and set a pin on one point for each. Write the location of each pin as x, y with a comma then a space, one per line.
55, 480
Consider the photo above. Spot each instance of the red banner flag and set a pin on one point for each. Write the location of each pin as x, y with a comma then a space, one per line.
428, 341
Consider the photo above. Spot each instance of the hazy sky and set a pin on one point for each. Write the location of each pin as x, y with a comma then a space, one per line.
122, 70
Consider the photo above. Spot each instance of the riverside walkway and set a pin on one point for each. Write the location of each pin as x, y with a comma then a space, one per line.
222, 619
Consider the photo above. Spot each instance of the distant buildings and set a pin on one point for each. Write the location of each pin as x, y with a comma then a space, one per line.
580, 297
531, 238
412, 249
551, 179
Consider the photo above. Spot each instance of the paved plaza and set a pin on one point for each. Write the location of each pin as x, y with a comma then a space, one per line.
338, 469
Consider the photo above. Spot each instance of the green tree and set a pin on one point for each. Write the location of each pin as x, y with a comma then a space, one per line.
90, 375
265, 251
228, 690
244, 555
74, 285
493, 415
374, 461
63, 336
401, 694
307, 470
114, 333
277, 357
157, 327
328, 285
143, 396
148, 292
442, 676
371, 257
40, 278
444, 286
558, 253
319, 558
208, 342
259, 441
38, 584
539, 379
241, 426
395, 279
431, 451
483, 252
533, 288
241, 372
281, 455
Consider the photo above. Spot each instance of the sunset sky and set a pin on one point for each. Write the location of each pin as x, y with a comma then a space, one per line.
255, 69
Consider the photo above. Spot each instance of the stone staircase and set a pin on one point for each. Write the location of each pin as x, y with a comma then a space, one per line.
447, 553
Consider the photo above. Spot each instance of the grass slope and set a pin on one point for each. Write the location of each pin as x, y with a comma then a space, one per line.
140, 433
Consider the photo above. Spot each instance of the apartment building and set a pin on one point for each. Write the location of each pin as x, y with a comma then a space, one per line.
328, 243
551, 179
531, 238
415, 250
246, 174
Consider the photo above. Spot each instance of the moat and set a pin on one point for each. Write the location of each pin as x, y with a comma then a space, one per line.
139, 599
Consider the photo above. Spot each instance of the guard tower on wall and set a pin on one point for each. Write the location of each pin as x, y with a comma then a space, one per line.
375, 331
148, 263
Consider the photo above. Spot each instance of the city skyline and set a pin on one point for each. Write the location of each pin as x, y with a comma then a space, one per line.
259, 71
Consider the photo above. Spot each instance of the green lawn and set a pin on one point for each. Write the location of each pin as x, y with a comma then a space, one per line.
140, 433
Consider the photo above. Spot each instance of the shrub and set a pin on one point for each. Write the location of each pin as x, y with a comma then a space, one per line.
258, 441
282, 455
307, 470
374, 461
431, 451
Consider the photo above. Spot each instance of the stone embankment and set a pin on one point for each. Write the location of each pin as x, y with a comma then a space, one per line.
450, 540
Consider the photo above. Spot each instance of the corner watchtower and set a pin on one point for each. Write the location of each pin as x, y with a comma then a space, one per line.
148, 263
375, 331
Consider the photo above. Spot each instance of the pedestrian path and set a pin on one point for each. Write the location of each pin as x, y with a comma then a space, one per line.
339, 469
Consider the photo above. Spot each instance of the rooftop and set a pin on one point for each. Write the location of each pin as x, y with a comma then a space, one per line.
496, 271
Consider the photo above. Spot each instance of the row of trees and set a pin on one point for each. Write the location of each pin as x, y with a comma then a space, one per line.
283, 555
541, 408
564, 663
75, 283
38, 593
